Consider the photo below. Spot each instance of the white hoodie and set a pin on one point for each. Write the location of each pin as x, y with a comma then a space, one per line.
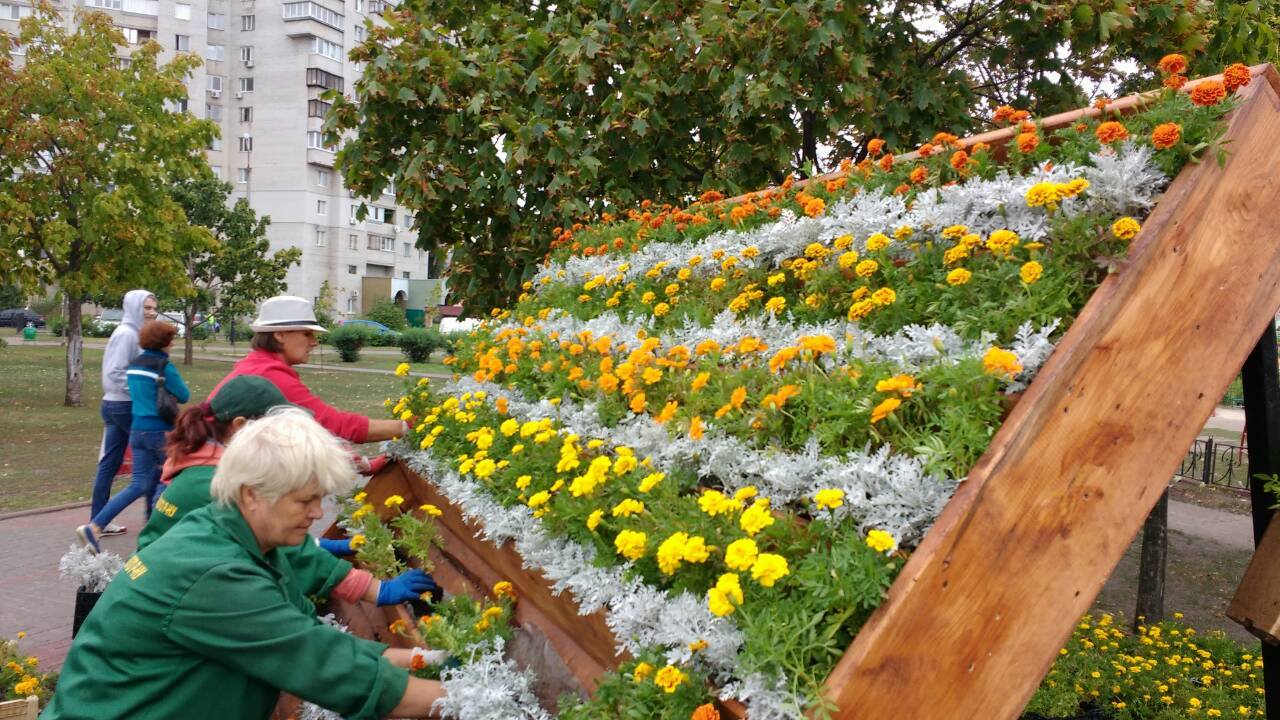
122, 348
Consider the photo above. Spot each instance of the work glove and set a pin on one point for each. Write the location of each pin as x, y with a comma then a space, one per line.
409, 585
341, 548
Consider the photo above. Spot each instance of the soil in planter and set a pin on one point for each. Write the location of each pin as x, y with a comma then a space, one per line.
85, 602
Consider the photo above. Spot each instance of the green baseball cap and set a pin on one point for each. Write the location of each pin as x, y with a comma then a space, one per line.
248, 396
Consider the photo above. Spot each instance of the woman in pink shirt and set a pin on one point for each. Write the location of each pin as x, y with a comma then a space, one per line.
284, 336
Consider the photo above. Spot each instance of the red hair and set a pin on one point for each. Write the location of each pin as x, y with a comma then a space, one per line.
156, 335
195, 427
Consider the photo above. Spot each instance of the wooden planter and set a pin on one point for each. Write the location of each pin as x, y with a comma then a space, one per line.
979, 612
25, 709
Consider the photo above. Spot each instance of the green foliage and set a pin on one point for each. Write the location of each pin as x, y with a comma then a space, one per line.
417, 344
57, 326
88, 152
631, 695
20, 675
200, 332
460, 622
12, 296
389, 314
238, 331
349, 339
519, 120
324, 305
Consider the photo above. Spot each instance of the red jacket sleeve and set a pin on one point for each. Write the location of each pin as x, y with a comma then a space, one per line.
346, 425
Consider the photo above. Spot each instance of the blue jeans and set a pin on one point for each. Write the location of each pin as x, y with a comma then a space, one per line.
117, 416
148, 460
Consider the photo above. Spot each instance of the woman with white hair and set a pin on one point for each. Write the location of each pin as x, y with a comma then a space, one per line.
210, 621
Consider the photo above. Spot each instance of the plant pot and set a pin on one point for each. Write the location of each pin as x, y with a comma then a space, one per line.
85, 601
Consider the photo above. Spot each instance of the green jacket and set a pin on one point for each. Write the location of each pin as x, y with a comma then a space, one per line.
188, 491
202, 624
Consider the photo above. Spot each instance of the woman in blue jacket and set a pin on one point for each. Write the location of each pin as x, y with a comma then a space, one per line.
146, 374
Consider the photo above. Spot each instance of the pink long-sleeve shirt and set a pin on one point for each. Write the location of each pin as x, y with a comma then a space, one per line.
347, 425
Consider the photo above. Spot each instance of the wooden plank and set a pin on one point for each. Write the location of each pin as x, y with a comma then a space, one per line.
1256, 604
980, 610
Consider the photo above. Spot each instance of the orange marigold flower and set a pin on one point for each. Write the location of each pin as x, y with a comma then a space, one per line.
1235, 76
1209, 92
1175, 82
1003, 115
886, 162
919, 175
1027, 142
1166, 135
705, 712
1101, 103
881, 411
1019, 116
1111, 131
875, 146
946, 138
1173, 64
960, 160
902, 189
926, 150
980, 147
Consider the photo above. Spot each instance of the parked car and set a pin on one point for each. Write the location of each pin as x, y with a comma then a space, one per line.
19, 317
376, 327
108, 319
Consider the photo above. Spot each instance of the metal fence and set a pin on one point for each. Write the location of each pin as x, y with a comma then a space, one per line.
1213, 462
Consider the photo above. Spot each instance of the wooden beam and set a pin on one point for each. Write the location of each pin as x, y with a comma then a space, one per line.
981, 609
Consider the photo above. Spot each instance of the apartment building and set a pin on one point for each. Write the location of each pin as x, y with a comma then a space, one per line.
266, 65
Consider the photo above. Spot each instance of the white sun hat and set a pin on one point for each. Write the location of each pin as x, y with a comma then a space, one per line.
284, 313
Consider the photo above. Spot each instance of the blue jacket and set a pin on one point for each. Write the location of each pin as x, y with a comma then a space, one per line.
142, 388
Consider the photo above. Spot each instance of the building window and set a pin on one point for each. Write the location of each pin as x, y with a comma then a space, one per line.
133, 36
182, 43
353, 243
215, 143
327, 80
217, 171
15, 12
407, 249
359, 33
242, 175
182, 11
359, 5
181, 105
106, 4
247, 22
213, 112
246, 84
308, 10
215, 52
246, 143
351, 269
351, 305
384, 244
322, 207
246, 53
215, 83
322, 178
322, 238
405, 274
315, 141
331, 50
217, 21
317, 108
383, 215
246, 114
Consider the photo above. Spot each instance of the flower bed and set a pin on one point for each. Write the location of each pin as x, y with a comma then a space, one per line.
719, 421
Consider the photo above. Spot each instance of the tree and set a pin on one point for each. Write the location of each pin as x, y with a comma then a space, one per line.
12, 296
497, 126
88, 152
239, 269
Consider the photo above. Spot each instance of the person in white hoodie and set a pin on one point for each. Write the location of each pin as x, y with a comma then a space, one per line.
117, 408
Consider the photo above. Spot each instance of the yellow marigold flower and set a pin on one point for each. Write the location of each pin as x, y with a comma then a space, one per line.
523, 481
627, 508
661, 309
698, 646
881, 541
430, 510
959, 276
902, 383
670, 677
954, 232
357, 540
756, 518
696, 429
485, 468
867, 268
1044, 194
1075, 187
745, 493
402, 369
539, 499
717, 284
903, 232
815, 251
726, 596
651, 375
776, 279
1000, 362
843, 242
847, 260
818, 344
1125, 228
393, 501
883, 410
829, 499
750, 251
813, 300
884, 296
1031, 272
861, 309
1002, 241
360, 496
631, 544
714, 502
26, 687
769, 568
638, 402
741, 554
776, 304
641, 672
696, 550
668, 412
650, 481
509, 427
878, 241
648, 297
593, 520
671, 552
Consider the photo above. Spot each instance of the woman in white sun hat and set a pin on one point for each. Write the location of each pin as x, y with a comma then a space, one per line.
284, 334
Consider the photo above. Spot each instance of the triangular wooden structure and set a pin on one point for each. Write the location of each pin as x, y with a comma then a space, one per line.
978, 615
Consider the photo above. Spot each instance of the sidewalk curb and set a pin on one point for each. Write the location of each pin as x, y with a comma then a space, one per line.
43, 511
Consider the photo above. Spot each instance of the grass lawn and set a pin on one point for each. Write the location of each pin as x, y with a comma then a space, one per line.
378, 358
48, 452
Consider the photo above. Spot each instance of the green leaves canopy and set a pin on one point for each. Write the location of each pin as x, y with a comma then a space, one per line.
500, 121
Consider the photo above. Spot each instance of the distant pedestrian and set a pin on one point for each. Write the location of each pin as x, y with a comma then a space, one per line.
117, 410
148, 374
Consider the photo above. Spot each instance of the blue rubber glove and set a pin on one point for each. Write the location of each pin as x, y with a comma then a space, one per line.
341, 548
409, 585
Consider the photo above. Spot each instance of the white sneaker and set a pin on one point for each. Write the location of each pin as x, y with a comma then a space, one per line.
113, 529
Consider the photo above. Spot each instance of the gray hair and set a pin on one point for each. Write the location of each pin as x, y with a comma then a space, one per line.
280, 453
